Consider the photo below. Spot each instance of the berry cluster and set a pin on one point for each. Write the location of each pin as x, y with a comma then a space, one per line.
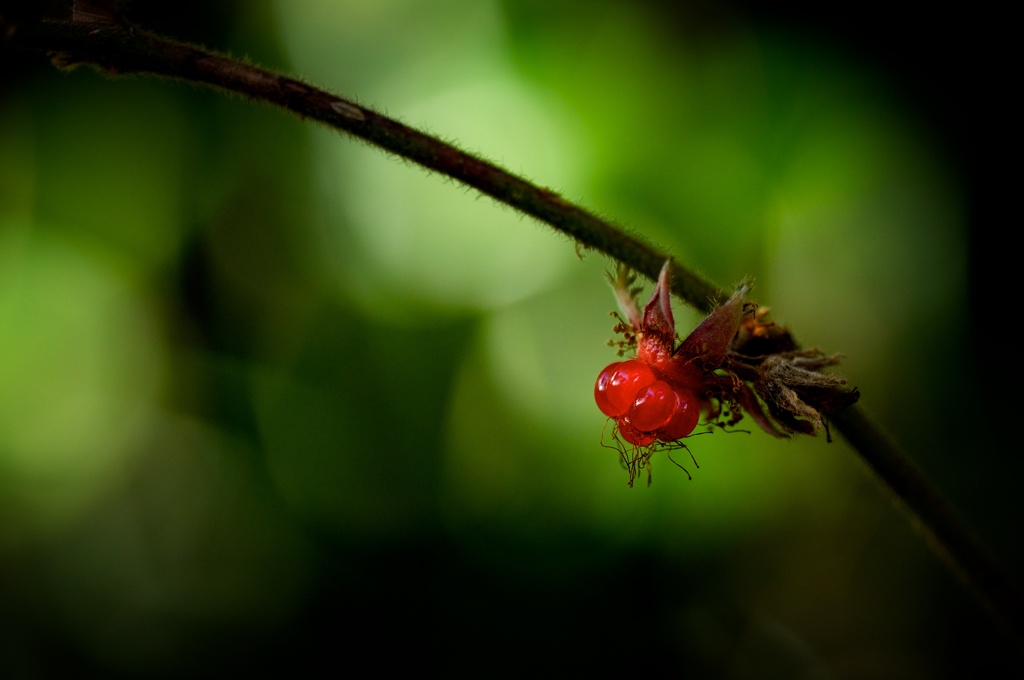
645, 408
657, 398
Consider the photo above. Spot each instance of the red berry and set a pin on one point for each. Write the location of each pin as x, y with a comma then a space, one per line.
685, 415
633, 435
618, 384
653, 407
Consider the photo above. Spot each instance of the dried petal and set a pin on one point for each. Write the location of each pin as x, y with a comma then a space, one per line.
794, 390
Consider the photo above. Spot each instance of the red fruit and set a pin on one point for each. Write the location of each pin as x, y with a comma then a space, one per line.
685, 415
618, 384
633, 435
656, 399
653, 407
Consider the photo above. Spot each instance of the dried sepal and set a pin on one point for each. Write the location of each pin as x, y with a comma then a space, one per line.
797, 393
710, 341
757, 337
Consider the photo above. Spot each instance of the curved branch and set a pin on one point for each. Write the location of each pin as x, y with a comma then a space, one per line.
119, 49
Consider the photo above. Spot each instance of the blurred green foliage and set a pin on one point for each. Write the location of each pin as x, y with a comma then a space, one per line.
260, 383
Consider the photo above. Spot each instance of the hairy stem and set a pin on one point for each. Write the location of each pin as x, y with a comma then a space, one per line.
119, 49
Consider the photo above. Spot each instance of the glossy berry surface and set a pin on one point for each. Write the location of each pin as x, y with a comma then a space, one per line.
645, 408
618, 385
653, 407
685, 414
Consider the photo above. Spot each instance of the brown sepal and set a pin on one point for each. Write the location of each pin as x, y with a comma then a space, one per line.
793, 388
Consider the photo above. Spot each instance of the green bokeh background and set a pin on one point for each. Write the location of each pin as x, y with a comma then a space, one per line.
272, 399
